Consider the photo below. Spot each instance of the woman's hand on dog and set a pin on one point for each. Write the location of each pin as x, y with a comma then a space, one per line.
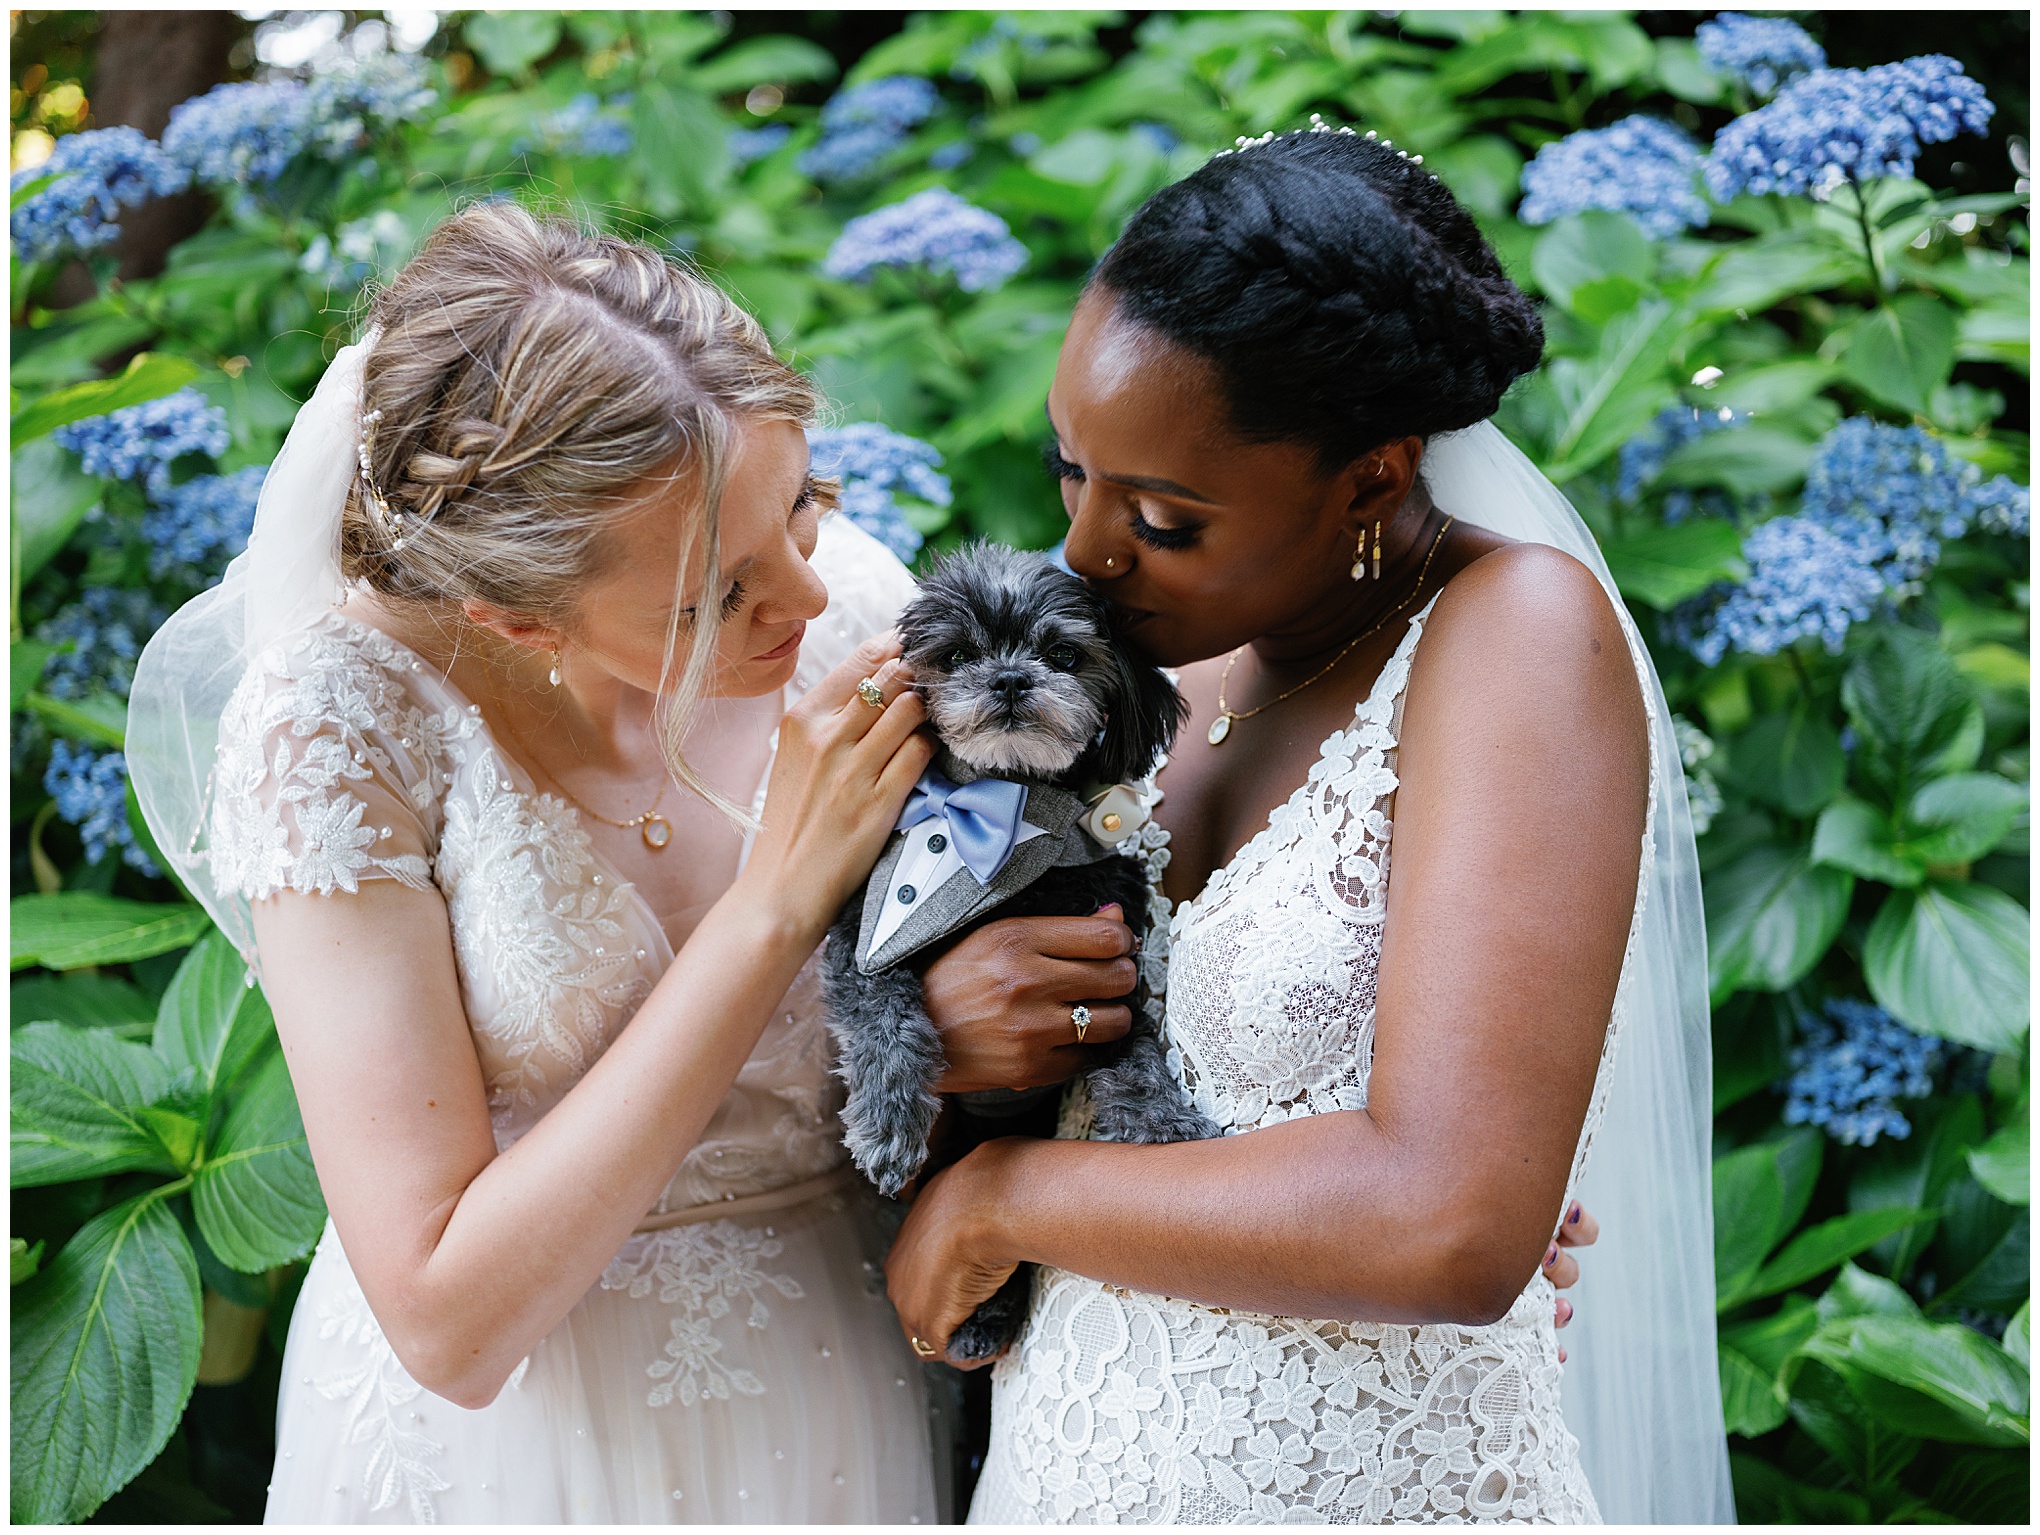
1001, 999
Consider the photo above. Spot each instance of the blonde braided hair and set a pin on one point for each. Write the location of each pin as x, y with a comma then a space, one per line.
530, 377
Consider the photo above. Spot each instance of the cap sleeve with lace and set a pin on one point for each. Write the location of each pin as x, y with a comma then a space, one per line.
867, 588
333, 759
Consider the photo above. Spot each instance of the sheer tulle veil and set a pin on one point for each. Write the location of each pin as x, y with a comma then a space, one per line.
287, 576
1642, 1391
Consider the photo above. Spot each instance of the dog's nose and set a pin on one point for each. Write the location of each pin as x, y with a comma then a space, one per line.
1012, 685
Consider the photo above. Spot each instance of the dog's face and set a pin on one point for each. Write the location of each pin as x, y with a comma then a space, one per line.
1023, 672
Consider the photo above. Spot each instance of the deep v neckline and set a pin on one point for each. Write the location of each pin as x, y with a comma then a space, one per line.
1180, 916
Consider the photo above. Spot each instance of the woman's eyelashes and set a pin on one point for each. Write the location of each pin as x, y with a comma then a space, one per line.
734, 601
1056, 464
1154, 535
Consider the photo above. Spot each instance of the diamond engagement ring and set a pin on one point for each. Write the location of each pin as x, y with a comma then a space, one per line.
871, 692
1080, 1015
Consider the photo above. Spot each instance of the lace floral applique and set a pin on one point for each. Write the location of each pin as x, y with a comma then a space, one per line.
530, 911
379, 1393
316, 715
706, 1270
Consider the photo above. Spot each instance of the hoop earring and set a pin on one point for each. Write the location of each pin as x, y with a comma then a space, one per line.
554, 678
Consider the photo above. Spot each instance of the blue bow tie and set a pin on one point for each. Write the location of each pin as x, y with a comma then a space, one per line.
983, 817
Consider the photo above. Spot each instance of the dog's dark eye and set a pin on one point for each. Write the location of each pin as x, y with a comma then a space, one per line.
1063, 658
958, 657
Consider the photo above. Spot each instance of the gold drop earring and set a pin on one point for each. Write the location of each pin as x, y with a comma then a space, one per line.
1377, 551
1360, 555
554, 678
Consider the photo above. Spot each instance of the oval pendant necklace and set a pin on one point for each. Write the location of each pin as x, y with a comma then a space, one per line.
656, 830
1222, 726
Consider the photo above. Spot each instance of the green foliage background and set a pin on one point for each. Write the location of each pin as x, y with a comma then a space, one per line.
164, 1196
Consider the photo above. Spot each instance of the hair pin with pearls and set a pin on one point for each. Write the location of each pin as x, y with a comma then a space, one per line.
392, 520
1318, 125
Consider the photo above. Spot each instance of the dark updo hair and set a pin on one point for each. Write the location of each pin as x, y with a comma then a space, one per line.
1344, 297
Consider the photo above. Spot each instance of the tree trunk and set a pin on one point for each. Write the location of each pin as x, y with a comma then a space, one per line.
149, 61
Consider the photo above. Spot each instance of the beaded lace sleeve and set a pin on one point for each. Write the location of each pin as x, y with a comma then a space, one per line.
331, 768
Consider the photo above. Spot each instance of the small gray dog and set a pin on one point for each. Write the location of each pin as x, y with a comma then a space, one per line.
1040, 708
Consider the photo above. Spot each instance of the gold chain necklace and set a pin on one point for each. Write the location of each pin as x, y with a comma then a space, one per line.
656, 830
1222, 726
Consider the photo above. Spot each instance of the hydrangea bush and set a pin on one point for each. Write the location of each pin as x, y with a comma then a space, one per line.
1777, 379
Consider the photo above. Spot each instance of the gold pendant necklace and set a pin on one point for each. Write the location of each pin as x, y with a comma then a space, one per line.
1222, 726
656, 830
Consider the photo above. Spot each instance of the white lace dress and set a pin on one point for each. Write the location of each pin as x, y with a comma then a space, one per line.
1121, 1407
738, 1361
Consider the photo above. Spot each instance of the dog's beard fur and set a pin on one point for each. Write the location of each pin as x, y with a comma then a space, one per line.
1041, 734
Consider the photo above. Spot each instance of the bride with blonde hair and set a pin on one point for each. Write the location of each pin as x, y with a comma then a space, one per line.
550, 516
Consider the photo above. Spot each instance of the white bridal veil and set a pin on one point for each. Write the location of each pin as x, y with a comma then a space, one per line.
1642, 1390
287, 576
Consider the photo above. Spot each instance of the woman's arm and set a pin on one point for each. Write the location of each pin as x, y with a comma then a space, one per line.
467, 1257
1519, 823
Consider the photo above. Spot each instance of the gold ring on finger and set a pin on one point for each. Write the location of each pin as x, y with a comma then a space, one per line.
871, 692
923, 1348
1080, 1015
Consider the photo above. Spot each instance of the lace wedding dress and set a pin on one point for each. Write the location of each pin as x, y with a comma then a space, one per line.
738, 1361
1120, 1407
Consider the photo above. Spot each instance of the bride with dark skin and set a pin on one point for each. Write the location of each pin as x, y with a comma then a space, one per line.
1521, 780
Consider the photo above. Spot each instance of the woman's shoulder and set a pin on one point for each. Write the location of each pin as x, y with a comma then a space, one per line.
1525, 638
341, 677
1526, 594
867, 588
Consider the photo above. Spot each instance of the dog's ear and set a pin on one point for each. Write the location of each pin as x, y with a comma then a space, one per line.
1141, 720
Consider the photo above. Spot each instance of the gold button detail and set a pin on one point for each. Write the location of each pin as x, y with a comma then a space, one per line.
1110, 822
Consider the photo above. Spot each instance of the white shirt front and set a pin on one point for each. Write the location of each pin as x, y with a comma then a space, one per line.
929, 858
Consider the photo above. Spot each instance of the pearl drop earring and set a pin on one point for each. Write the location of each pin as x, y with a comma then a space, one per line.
554, 677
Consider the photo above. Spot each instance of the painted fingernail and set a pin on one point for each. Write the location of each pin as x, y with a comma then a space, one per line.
1573, 1215
1111, 906
1551, 1255
1561, 1356
1564, 1310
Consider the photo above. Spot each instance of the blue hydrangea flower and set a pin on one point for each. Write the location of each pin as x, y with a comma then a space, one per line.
876, 464
1906, 484
247, 134
195, 528
242, 134
1645, 454
1878, 504
952, 155
1808, 580
353, 103
90, 789
145, 440
1853, 1063
579, 128
935, 229
748, 144
106, 629
1762, 52
100, 172
864, 124
1838, 125
1641, 166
